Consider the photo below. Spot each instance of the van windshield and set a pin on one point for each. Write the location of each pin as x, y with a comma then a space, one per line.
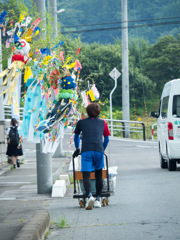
176, 106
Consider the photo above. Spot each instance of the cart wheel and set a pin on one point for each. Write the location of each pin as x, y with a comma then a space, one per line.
104, 202
84, 202
81, 203
107, 201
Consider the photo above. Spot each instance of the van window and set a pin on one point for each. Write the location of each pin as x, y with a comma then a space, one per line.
164, 109
176, 106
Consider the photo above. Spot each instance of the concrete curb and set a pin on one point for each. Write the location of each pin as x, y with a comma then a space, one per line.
36, 227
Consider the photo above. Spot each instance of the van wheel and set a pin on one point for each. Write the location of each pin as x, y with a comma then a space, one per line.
171, 165
171, 162
163, 162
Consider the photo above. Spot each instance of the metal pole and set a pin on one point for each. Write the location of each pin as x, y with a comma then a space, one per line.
1, 82
44, 170
125, 67
144, 132
44, 167
110, 96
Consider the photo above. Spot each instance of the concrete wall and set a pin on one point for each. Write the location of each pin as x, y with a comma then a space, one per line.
3, 142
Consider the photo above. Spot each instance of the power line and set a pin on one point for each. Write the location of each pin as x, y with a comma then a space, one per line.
96, 24
115, 28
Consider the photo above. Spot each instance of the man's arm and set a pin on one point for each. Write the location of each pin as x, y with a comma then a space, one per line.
106, 134
76, 140
106, 141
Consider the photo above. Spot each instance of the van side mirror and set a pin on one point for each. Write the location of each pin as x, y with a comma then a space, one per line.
154, 114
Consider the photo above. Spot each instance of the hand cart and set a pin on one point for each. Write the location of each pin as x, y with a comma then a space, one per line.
81, 194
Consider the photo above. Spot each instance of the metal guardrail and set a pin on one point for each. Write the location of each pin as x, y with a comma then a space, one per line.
113, 128
8, 114
124, 128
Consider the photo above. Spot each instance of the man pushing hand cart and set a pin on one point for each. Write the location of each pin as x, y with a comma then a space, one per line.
92, 154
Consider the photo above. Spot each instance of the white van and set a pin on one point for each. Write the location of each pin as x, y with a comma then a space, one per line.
168, 125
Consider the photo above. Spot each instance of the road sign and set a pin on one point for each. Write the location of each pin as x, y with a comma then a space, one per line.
114, 74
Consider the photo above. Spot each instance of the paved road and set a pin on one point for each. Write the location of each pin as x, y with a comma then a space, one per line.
145, 206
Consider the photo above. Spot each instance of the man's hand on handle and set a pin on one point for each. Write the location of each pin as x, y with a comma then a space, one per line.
76, 152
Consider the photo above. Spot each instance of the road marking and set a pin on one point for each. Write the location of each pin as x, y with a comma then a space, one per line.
141, 146
6, 199
6, 183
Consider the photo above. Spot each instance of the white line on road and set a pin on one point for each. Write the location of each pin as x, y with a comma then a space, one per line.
6, 183
141, 146
6, 199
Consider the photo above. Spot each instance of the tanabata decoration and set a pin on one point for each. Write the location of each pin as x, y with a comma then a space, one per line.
50, 72
95, 91
62, 56
65, 100
21, 51
78, 51
54, 76
91, 94
34, 111
84, 99
19, 59
2, 16
20, 56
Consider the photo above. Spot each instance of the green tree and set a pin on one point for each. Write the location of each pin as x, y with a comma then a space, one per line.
162, 62
98, 60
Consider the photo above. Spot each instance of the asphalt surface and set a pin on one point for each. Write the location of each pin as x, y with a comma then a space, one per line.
145, 204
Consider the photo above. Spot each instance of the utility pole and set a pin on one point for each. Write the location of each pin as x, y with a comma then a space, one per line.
43, 160
41, 8
52, 9
125, 67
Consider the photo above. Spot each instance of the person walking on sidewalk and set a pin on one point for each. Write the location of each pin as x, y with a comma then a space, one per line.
92, 152
14, 148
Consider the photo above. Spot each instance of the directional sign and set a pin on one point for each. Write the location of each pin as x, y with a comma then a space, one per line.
114, 74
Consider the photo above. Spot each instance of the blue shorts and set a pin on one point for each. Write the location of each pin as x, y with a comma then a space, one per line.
91, 160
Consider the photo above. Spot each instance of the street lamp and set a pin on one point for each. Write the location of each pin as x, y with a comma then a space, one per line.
61, 10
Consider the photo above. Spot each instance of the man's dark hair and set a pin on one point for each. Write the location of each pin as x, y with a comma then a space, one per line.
13, 122
93, 110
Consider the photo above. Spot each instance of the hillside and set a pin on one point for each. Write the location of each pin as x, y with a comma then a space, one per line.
80, 12
140, 12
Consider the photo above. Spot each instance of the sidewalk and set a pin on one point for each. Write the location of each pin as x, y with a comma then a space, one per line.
19, 199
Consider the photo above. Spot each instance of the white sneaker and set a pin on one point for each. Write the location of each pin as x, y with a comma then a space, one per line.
97, 204
90, 203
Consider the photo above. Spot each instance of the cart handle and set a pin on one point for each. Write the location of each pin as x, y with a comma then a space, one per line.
74, 176
107, 166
